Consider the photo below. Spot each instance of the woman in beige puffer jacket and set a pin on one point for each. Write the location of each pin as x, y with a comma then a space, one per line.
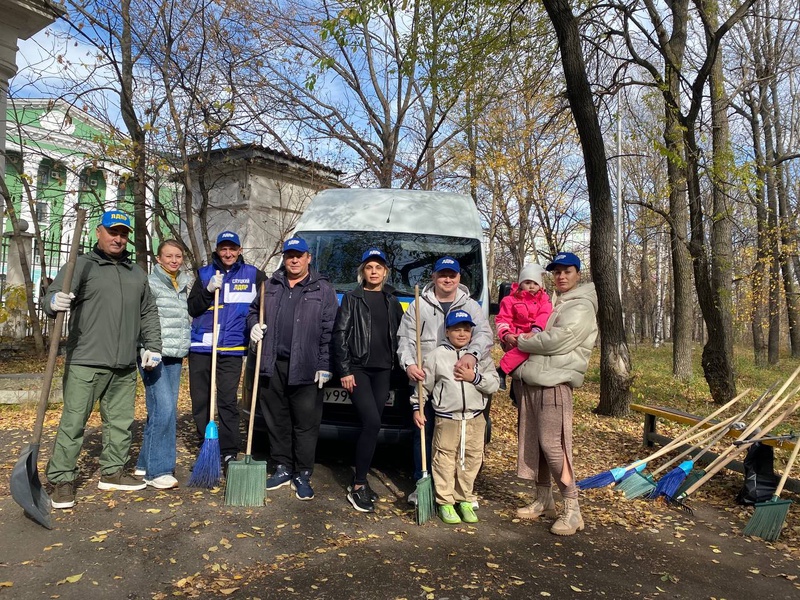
559, 357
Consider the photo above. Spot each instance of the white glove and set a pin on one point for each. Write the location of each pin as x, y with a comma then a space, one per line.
150, 360
214, 283
61, 301
322, 377
257, 333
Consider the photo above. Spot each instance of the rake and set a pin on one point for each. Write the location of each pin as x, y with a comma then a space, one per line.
669, 485
619, 473
735, 449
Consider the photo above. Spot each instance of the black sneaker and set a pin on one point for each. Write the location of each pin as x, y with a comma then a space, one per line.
224, 460
361, 500
502, 375
373, 495
63, 495
301, 484
280, 478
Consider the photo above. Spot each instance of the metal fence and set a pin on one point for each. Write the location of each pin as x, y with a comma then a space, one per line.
56, 254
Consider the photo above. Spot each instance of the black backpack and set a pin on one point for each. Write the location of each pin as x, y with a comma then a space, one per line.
760, 480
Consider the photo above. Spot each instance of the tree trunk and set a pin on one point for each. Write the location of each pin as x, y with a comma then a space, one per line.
615, 362
137, 135
26, 270
716, 360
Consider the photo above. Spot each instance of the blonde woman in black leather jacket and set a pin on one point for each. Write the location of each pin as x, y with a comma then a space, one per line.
364, 351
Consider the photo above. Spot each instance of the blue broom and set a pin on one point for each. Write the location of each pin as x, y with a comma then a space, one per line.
207, 470
617, 474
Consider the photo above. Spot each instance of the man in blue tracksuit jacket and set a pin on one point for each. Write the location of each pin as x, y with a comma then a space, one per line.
238, 284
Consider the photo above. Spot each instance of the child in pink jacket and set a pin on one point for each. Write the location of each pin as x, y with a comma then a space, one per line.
525, 309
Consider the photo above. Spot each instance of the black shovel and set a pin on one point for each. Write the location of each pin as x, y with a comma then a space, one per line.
26, 489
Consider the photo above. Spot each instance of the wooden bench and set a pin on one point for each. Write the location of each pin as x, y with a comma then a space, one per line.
650, 436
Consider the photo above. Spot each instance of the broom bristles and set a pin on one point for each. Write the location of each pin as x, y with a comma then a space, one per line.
207, 469
669, 484
245, 484
636, 485
768, 518
426, 504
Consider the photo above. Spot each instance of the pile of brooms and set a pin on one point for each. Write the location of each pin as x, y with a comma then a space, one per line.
766, 414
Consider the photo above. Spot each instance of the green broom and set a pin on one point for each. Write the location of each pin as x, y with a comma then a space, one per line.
426, 505
768, 518
246, 478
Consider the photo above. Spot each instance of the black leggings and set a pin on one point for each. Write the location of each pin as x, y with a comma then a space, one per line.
369, 397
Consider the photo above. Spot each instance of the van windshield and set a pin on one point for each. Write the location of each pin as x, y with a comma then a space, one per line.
337, 254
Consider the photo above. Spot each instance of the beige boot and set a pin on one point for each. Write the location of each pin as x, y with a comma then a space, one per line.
570, 521
543, 505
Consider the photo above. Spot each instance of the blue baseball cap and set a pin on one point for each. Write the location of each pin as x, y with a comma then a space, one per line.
458, 316
295, 243
116, 218
230, 237
568, 259
447, 263
374, 253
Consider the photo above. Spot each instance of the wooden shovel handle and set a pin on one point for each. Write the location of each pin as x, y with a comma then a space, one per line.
254, 394
55, 333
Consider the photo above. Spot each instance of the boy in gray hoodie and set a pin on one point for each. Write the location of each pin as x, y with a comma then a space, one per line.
458, 395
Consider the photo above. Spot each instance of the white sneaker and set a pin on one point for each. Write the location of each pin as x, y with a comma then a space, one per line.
412, 498
162, 482
140, 472
475, 505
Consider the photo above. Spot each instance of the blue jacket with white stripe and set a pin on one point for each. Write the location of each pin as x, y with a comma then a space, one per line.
239, 288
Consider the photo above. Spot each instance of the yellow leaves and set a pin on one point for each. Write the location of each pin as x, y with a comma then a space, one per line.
70, 579
98, 538
51, 546
575, 588
154, 511
227, 591
492, 565
6, 583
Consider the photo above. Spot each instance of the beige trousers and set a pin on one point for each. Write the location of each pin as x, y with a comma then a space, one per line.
453, 480
545, 435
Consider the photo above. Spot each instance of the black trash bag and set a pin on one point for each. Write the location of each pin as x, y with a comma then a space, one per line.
760, 480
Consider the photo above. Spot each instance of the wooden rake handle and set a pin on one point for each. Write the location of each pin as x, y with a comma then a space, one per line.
688, 435
733, 450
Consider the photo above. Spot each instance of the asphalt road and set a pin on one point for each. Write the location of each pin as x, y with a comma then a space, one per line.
187, 543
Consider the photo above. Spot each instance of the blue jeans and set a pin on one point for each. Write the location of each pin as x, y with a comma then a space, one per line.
161, 386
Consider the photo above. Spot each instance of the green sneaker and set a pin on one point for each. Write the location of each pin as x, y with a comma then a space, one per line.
448, 514
467, 512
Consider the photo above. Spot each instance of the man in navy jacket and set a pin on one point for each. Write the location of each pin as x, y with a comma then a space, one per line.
300, 308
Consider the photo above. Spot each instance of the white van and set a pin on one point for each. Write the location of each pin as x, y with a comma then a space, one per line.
414, 229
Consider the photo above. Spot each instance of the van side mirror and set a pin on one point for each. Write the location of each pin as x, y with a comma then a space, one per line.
504, 290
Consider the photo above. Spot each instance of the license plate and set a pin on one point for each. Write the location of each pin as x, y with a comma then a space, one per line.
340, 396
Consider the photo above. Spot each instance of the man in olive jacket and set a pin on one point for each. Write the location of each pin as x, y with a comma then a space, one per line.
111, 311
